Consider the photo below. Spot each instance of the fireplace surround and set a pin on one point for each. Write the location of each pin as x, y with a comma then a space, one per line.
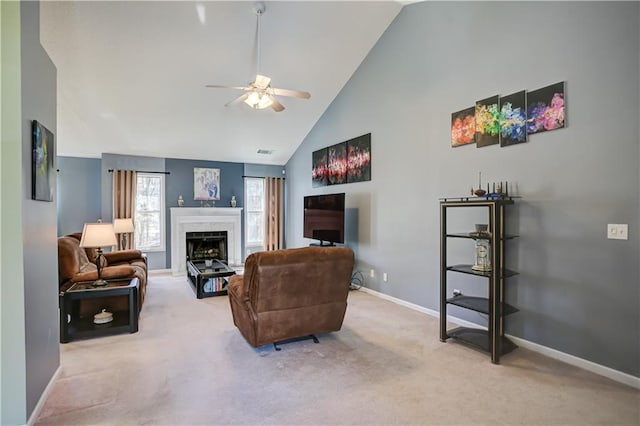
204, 219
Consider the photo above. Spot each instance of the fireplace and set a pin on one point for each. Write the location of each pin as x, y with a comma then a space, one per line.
207, 245
204, 219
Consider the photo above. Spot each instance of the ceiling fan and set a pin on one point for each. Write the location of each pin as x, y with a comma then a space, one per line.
259, 94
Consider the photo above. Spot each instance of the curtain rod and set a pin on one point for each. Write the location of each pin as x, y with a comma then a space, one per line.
144, 171
262, 177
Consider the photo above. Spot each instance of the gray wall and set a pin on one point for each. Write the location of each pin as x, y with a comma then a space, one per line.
12, 308
577, 291
79, 186
263, 170
40, 251
181, 182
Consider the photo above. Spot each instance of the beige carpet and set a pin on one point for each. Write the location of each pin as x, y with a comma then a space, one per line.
189, 365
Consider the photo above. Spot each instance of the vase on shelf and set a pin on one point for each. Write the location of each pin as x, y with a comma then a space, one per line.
180, 201
233, 201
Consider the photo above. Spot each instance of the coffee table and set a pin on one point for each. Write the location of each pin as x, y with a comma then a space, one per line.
208, 279
73, 326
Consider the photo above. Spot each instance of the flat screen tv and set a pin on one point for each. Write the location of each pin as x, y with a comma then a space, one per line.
324, 218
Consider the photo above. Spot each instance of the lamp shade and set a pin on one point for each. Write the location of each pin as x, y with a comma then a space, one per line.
121, 226
98, 235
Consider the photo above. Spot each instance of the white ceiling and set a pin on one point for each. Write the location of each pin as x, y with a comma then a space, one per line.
131, 75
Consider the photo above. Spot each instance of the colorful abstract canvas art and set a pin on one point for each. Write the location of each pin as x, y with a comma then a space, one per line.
337, 163
359, 159
319, 168
546, 108
513, 119
487, 122
463, 127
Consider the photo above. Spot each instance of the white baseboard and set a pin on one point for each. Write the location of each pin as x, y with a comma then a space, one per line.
43, 398
159, 271
601, 370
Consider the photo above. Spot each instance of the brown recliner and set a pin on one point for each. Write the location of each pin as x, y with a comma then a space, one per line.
74, 265
285, 294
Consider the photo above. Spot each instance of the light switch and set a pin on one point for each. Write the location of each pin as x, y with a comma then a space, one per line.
617, 231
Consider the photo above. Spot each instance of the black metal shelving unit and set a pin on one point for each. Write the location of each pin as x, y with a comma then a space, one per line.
491, 340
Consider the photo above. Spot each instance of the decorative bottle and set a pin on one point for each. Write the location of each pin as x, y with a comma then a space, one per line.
233, 201
180, 201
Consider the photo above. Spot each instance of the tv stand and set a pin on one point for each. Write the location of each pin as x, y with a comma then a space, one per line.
323, 244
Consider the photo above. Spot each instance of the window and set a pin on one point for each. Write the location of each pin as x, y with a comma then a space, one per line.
254, 214
149, 215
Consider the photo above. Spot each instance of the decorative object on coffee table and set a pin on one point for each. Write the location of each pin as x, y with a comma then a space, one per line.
98, 235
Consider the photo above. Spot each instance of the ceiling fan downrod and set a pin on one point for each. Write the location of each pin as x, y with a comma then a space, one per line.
258, 9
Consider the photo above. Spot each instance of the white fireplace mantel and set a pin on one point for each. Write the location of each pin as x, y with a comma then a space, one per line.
204, 219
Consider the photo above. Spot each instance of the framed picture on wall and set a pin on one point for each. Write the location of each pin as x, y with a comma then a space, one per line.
206, 184
43, 152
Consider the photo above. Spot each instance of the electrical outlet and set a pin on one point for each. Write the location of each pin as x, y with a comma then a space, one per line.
372, 273
384, 277
616, 231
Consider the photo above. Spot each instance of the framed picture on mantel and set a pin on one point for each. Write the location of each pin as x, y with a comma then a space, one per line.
206, 184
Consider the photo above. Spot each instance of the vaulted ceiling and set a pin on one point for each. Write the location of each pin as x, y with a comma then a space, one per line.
132, 75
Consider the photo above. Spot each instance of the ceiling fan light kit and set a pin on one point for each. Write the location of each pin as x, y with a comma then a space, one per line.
259, 94
258, 101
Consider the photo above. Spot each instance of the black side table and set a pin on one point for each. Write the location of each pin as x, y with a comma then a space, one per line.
73, 327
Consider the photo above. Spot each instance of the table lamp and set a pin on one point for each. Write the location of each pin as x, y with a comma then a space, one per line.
123, 227
98, 235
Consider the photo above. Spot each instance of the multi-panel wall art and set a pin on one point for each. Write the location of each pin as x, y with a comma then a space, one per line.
510, 119
345, 162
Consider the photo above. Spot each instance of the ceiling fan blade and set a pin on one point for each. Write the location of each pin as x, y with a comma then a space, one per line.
291, 93
216, 86
277, 106
262, 81
237, 100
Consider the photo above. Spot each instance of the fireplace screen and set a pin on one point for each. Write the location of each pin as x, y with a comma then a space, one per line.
207, 245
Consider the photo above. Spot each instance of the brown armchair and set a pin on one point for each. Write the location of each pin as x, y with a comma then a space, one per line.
286, 294
74, 265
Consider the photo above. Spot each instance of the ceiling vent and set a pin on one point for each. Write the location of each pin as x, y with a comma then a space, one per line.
265, 151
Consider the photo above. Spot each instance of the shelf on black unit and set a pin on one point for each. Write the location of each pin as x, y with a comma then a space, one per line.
466, 235
466, 269
479, 304
86, 325
479, 338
